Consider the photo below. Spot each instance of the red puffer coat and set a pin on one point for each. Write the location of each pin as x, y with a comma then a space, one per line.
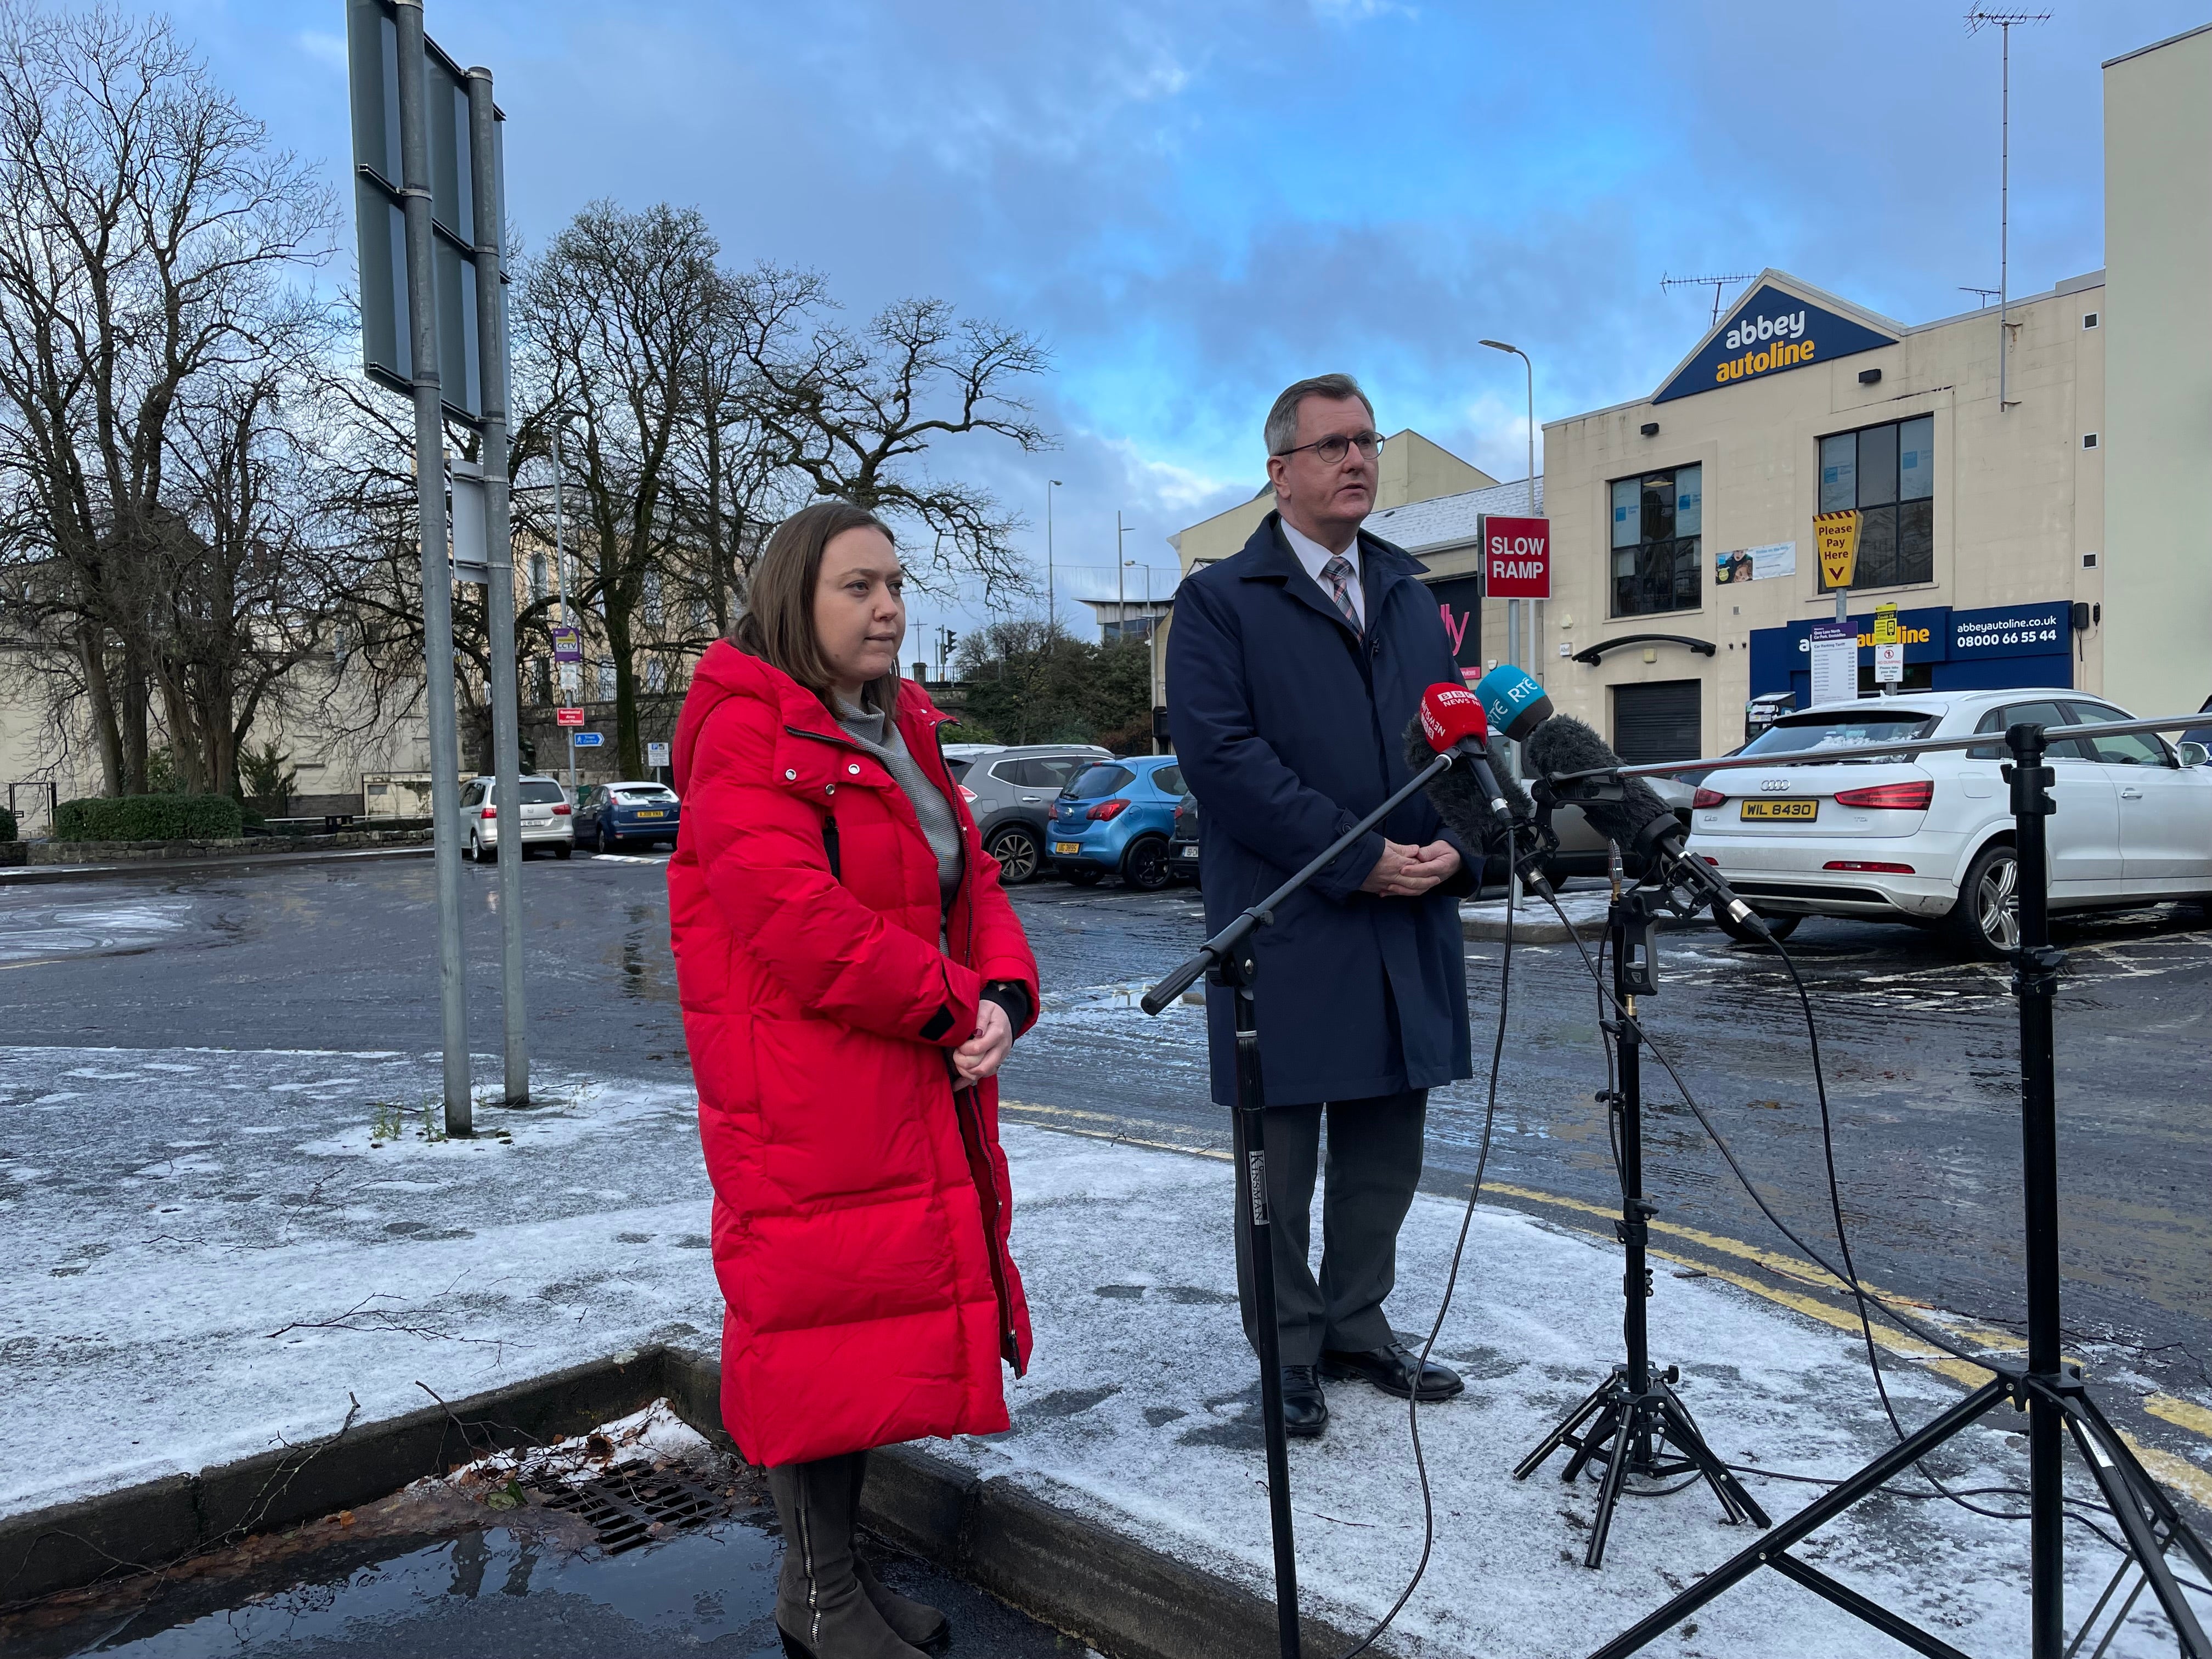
860, 1205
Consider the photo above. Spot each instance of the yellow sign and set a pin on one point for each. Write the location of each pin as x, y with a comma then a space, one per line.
1885, 624
1837, 536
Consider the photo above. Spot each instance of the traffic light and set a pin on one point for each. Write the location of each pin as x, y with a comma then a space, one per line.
529, 748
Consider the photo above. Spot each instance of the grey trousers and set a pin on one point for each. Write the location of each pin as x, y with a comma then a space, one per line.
1374, 1164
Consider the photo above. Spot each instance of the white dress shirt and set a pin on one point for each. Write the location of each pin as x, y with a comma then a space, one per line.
1313, 556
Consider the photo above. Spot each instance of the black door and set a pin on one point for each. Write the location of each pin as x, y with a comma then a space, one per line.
1657, 722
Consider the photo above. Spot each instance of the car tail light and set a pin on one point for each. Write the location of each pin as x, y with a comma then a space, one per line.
490, 814
1869, 865
1705, 798
562, 811
1890, 797
966, 793
1710, 859
1105, 810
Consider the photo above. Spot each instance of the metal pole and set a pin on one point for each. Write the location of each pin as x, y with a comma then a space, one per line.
437, 563
1121, 587
2035, 978
499, 594
560, 576
1051, 602
2005, 216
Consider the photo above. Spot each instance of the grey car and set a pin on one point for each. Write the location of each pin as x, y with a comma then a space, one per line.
1010, 793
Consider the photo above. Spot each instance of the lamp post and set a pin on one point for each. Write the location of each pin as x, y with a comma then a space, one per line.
1121, 587
1535, 664
560, 420
1051, 604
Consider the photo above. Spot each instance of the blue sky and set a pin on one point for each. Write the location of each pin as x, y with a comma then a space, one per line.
1194, 204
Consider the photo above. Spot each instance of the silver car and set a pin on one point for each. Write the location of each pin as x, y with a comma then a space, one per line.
547, 822
1011, 793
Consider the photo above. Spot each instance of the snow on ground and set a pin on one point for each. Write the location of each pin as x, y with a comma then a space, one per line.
215, 1250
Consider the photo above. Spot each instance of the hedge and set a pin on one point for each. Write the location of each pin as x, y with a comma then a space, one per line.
149, 817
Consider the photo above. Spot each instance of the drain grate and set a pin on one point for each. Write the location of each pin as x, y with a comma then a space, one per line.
627, 1507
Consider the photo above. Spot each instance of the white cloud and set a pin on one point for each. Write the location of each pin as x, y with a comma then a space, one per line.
329, 48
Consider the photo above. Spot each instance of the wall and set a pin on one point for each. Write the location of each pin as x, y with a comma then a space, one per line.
2158, 251
2017, 500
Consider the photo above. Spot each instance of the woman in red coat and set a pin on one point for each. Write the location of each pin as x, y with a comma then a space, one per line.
851, 978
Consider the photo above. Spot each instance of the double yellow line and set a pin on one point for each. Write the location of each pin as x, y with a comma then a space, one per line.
2177, 1472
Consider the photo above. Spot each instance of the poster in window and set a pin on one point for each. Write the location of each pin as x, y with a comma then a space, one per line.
1756, 564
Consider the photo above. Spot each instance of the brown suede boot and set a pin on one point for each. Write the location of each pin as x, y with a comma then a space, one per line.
820, 1611
915, 1623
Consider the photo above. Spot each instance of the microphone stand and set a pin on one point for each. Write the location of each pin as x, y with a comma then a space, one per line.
2053, 1395
1227, 960
1630, 1420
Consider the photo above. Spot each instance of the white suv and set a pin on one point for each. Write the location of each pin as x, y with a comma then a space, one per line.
547, 821
1927, 838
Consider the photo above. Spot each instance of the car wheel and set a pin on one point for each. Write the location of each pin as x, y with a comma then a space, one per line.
1145, 865
1985, 921
1083, 875
1780, 927
608, 842
469, 849
561, 852
1018, 854
487, 854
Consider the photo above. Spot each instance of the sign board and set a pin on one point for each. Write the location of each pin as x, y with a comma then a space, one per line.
387, 332
1837, 536
1835, 662
572, 677
1888, 664
568, 717
568, 643
656, 754
464, 512
585, 739
1459, 602
1516, 557
2011, 630
1885, 623
1756, 564
1771, 332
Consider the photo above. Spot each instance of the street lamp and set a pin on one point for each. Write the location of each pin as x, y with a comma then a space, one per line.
1121, 590
1535, 664
1051, 604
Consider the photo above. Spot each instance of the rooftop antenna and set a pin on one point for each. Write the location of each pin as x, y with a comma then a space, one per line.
1977, 21
1983, 294
1716, 284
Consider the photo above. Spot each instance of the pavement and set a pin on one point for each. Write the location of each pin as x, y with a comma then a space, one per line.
208, 1238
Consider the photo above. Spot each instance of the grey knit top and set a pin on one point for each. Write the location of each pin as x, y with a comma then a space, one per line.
880, 736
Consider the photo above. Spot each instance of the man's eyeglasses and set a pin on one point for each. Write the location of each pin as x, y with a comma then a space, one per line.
1332, 449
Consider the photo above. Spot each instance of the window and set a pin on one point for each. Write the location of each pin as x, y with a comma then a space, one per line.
474, 794
1888, 473
536, 575
1034, 773
2050, 716
1820, 733
606, 681
1169, 782
1658, 523
1096, 782
2124, 749
542, 792
2088, 440
2088, 319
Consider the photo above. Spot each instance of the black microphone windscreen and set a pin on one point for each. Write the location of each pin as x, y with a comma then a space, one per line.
1459, 799
1562, 745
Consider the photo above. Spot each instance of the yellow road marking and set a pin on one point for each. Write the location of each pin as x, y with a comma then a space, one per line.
2180, 1412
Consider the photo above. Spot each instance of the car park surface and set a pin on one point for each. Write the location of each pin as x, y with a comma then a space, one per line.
1926, 838
1115, 817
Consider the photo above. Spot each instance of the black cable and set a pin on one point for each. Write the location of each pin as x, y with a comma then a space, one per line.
1451, 1280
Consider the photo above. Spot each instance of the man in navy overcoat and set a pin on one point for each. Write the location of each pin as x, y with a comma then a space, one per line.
1293, 670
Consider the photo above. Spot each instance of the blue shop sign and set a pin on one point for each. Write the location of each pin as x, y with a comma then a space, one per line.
2011, 630
1769, 334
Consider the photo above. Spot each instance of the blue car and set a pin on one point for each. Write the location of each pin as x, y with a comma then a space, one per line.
612, 815
1118, 816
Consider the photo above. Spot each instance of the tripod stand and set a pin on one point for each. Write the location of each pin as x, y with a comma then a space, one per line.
1629, 1421
2056, 1401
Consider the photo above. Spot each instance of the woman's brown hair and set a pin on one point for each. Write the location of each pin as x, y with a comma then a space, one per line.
778, 624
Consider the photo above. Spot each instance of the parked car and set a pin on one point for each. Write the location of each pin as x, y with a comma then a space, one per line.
1116, 815
1182, 841
1011, 792
1927, 838
611, 816
547, 822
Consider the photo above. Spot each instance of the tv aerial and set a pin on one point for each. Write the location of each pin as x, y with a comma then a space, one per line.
1718, 284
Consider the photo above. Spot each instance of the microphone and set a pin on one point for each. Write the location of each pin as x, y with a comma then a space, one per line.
1514, 702
1635, 818
1453, 723
1459, 798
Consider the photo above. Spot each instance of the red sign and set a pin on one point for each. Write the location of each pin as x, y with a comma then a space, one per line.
1516, 557
568, 717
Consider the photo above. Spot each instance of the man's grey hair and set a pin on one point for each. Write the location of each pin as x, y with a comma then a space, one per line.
1282, 428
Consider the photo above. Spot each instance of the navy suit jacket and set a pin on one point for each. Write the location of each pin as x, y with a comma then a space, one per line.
1290, 726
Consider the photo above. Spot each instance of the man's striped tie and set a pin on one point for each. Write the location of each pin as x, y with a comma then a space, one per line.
1337, 572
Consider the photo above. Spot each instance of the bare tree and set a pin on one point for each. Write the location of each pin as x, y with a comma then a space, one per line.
146, 226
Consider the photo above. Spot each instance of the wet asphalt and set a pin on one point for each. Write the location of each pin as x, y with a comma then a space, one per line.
1921, 1057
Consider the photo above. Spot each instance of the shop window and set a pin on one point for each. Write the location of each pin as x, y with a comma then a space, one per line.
1888, 473
1658, 523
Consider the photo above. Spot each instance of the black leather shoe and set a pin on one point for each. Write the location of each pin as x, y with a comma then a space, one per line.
1305, 1407
1392, 1370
